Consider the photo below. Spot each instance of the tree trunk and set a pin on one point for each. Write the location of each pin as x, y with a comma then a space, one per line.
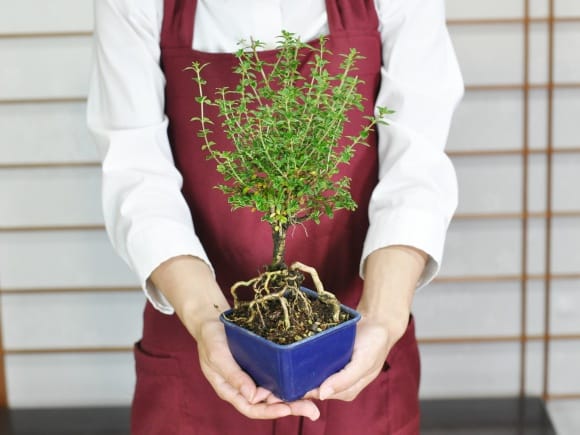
279, 237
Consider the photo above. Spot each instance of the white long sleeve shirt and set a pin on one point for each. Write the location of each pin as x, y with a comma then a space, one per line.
146, 216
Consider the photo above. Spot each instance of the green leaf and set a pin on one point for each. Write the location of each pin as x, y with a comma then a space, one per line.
286, 142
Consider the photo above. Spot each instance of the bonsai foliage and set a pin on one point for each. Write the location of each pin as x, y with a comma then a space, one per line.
287, 134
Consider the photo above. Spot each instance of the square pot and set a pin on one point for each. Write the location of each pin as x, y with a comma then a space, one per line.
290, 371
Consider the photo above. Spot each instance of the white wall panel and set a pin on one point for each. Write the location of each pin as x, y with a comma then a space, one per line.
566, 110
54, 132
536, 246
50, 196
539, 8
487, 121
534, 367
566, 180
493, 120
494, 183
72, 320
39, 67
495, 54
61, 258
489, 184
565, 306
70, 380
567, 39
476, 247
492, 308
25, 16
469, 370
564, 366
493, 369
468, 309
566, 239
488, 9
538, 119
535, 307
538, 53
565, 236
537, 183
490, 55
570, 8
475, 9
566, 416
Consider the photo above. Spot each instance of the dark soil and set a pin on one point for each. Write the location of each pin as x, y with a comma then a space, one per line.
271, 325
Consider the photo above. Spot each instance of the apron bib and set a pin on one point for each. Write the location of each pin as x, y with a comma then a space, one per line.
172, 396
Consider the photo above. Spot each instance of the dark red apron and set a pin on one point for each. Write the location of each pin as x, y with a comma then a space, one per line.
172, 396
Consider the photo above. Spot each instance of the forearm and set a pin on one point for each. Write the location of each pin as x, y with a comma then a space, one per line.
189, 285
391, 276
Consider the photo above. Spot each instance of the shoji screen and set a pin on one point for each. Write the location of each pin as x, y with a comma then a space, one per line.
70, 309
502, 318
504, 315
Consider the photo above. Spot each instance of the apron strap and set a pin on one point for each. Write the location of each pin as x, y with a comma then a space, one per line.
356, 16
177, 27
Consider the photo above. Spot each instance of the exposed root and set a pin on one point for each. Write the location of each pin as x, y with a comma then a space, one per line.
302, 299
255, 305
258, 284
270, 286
282, 287
325, 296
234, 288
257, 311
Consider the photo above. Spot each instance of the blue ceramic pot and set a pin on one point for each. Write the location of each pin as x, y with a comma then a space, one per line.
290, 371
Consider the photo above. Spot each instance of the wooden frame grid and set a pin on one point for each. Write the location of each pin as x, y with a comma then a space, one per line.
524, 277
525, 199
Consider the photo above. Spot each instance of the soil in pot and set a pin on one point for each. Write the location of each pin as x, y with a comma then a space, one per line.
303, 325
281, 312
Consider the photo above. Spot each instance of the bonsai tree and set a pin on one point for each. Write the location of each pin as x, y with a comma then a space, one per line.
287, 136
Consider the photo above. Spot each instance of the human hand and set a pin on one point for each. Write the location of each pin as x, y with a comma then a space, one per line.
391, 275
191, 289
372, 344
233, 385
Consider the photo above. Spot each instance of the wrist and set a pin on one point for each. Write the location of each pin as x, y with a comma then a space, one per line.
189, 285
394, 319
391, 276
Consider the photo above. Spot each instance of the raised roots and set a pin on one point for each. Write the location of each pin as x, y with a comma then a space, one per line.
283, 286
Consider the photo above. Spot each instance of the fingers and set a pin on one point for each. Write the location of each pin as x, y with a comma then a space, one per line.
313, 394
261, 410
302, 407
252, 405
348, 393
229, 382
235, 386
273, 399
264, 405
219, 366
341, 387
305, 408
370, 350
263, 395
348, 382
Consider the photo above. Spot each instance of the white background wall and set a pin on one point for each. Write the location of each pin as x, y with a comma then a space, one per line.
31, 132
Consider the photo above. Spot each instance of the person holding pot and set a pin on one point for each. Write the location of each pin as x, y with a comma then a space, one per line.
179, 236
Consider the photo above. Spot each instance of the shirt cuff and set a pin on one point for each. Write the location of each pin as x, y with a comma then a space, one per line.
417, 228
148, 248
